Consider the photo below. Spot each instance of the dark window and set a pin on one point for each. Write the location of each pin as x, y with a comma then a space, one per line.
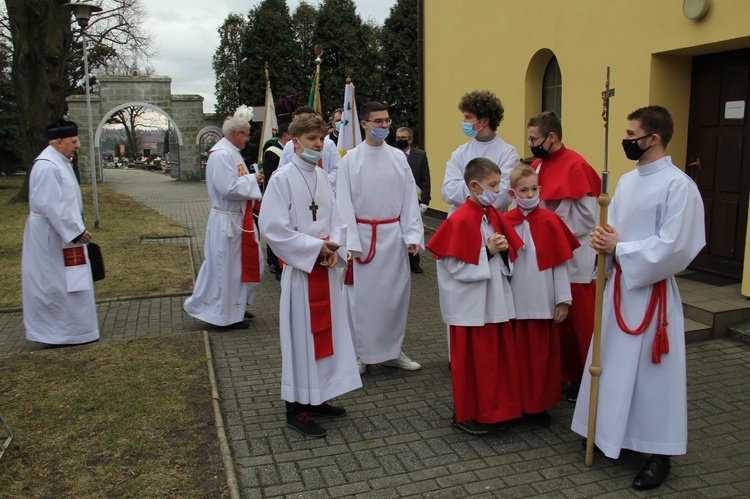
552, 88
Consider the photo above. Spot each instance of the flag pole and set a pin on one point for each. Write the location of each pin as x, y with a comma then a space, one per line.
354, 104
595, 368
265, 113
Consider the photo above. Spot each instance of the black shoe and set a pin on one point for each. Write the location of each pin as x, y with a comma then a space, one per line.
543, 419
249, 315
653, 473
278, 275
471, 426
573, 390
326, 410
416, 270
274, 267
501, 426
236, 325
305, 424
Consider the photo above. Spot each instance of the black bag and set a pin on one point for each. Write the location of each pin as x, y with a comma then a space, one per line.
96, 261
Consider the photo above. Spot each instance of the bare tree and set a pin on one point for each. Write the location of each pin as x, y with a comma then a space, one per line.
130, 118
46, 66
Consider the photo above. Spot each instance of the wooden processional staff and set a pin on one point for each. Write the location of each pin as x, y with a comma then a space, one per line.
596, 369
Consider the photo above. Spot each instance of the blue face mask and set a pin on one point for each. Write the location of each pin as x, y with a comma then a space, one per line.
311, 155
379, 134
337, 126
468, 129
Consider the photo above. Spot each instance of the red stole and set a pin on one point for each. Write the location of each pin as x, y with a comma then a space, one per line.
250, 255
460, 235
320, 311
565, 174
553, 240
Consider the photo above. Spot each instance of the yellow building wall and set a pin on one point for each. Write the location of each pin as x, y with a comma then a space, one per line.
504, 46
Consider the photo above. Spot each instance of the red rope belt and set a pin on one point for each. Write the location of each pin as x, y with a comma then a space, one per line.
349, 276
658, 299
374, 224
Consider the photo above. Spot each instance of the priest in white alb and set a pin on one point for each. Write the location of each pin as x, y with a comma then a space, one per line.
56, 282
377, 197
233, 265
656, 228
300, 222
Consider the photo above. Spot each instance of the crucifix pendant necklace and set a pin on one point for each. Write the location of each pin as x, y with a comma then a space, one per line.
313, 207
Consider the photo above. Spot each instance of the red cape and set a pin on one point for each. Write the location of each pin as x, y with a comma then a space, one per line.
565, 174
553, 240
460, 235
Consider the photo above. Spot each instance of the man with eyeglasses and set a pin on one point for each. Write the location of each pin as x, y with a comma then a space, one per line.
233, 265
569, 187
377, 198
482, 113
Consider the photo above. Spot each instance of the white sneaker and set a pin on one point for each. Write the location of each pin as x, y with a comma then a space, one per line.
403, 362
361, 366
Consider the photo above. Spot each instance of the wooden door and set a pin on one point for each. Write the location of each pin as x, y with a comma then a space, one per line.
718, 156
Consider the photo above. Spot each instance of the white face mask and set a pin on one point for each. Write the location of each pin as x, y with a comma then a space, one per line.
527, 203
487, 198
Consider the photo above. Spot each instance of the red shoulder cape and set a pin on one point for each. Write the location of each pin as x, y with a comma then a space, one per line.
565, 174
460, 235
553, 240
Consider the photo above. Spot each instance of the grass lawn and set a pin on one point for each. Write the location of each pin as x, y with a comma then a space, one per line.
133, 268
123, 419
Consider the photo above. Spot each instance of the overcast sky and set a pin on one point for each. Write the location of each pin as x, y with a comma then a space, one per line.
186, 37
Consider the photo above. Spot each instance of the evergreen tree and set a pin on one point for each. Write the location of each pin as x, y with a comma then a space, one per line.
349, 47
268, 38
400, 67
303, 29
226, 64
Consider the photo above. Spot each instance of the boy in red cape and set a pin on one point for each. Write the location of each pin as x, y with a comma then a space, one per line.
475, 250
541, 292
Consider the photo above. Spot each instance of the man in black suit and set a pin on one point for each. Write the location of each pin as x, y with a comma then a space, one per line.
417, 159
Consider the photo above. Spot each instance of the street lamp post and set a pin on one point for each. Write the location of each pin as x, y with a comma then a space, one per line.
83, 12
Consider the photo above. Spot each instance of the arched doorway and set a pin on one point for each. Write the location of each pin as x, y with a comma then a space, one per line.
206, 139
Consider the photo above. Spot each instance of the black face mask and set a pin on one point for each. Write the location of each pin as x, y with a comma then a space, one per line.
539, 151
632, 150
402, 144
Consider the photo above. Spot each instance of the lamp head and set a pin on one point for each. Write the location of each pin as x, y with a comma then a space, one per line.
82, 11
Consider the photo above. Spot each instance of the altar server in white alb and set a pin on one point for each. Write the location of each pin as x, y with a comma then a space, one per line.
656, 228
482, 113
300, 222
58, 291
377, 197
233, 265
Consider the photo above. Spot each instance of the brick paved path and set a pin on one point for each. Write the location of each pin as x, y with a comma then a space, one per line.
396, 440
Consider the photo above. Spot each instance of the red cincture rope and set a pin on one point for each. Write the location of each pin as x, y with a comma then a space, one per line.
374, 224
658, 298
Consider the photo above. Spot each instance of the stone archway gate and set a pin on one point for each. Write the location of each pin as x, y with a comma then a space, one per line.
184, 112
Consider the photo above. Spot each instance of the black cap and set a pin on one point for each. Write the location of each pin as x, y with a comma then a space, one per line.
62, 129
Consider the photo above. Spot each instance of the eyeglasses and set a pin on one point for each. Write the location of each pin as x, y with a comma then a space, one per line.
534, 139
244, 133
381, 121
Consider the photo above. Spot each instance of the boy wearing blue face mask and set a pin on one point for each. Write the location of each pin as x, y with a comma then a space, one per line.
475, 250
377, 198
541, 293
482, 113
300, 222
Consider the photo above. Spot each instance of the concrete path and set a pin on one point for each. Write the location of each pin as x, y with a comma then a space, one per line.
397, 440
